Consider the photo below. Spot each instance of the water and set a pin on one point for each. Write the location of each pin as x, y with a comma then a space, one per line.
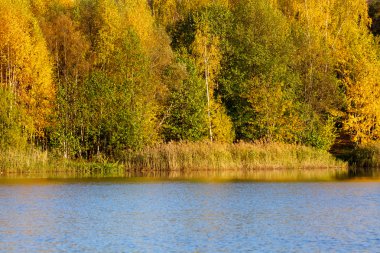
182, 216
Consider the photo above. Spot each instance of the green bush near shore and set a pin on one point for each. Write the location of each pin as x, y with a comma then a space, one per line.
215, 156
366, 156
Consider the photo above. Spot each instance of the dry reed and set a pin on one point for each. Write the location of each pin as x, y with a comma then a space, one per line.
217, 156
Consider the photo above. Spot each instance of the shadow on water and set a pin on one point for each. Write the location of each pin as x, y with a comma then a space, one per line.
363, 163
361, 172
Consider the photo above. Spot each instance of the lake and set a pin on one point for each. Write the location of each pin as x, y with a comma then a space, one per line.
140, 215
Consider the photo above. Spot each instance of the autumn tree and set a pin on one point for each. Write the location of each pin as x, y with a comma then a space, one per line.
25, 66
200, 36
258, 86
340, 62
117, 87
169, 12
70, 52
358, 68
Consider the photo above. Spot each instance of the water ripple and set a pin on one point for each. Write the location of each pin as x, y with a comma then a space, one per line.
190, 217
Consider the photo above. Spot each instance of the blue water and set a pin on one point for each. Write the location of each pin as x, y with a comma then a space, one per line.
189, 217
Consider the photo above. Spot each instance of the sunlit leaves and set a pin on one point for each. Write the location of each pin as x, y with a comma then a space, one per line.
133, 73
25, 64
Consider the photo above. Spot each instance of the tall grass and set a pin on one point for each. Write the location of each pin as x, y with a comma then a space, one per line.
216, 156
184, 157
12, 160
32, 162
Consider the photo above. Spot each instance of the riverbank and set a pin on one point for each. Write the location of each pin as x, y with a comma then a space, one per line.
185, 157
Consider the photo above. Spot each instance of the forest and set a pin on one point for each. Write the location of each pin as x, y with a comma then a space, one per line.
80, 78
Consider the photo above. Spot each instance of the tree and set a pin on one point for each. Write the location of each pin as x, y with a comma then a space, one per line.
11, 122
25, 66
70, 51
353, 62
199, 35
187, 104
258, 86
357, 67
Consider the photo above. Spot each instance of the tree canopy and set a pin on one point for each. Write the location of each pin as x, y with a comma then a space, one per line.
84, 77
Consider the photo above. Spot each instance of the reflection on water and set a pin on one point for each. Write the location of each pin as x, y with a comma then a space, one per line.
266, 175
107, 216
251, 175
223, 175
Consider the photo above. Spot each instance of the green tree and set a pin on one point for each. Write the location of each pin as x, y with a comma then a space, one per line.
186, 117
12, 121
259, 87
202, 35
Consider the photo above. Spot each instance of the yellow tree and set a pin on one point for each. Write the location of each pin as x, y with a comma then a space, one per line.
359, 75
337, 45
168, 12
130, 55
154, 41
69, 50
24, 64
357, 66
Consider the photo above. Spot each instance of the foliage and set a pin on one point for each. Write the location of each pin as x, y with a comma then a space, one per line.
187, 105
11, 122
25, 67
258, 85
87, 79
365, 156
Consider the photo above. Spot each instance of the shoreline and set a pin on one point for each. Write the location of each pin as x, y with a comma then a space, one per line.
198, 157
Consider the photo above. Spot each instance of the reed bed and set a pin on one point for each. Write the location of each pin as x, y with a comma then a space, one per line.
17, 161
223, 159
36, 163
217, 156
